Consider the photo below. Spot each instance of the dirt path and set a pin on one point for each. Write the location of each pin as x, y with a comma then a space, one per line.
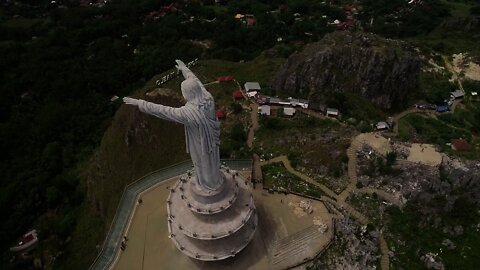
385, 259
450, 68
396, 118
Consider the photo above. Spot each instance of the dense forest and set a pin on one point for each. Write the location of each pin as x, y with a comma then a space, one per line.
61, 63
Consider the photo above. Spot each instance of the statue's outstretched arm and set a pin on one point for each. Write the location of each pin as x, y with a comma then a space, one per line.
158, 110
186, 72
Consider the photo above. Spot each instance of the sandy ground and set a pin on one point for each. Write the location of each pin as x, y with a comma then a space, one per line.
424, 154
376, 141
471, 69
280, 216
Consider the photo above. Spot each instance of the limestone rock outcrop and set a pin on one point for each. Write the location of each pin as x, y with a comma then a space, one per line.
383, 71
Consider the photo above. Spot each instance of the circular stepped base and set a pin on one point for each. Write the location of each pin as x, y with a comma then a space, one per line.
211, 225
217, 249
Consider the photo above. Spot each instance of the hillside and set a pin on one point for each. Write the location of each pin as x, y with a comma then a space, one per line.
134, 145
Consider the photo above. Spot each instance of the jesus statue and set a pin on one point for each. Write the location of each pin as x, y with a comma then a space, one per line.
202, 128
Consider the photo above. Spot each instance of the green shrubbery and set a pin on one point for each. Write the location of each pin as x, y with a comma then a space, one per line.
275, 176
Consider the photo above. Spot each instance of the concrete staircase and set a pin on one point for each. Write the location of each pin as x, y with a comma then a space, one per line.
293, 245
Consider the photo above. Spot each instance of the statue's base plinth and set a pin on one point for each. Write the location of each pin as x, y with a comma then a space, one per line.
212, 225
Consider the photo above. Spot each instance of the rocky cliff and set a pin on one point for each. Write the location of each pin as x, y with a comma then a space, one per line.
383, 71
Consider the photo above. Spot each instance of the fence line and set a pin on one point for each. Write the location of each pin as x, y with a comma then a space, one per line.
127, 202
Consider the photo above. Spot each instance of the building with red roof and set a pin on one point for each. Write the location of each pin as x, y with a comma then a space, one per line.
225, 78
461, 145
237, 95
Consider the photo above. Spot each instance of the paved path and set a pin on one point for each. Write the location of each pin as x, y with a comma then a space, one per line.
385, 259
254, 124
352, 167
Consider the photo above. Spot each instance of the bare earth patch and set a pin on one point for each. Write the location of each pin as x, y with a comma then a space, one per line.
424, 154
462, 63
379, 143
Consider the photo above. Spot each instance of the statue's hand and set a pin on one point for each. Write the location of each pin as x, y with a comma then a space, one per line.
180, 65
130, 101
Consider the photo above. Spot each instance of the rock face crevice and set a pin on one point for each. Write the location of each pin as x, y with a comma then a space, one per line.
380, 70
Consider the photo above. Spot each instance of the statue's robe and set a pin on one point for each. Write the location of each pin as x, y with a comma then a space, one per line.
202, 136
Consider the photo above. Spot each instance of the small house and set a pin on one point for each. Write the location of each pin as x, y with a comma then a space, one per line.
294, 102
261, 100
331, 112
460, 145
298, 102
237, 95
284, 102
303, 103
264, 110
252, 86
273, 100
382, 126
225, 78
457, 94
288, 111
443, 108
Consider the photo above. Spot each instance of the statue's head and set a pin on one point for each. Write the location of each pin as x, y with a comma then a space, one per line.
190, 89
194, 93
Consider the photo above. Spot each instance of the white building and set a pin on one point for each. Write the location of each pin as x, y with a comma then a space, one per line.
288, 111
274, 100
264, 110
332, 112
457, 94
252, 86
382, 126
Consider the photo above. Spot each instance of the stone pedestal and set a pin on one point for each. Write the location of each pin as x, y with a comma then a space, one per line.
211, 225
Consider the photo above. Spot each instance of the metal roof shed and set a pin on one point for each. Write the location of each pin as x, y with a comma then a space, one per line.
443, 108
252, 86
